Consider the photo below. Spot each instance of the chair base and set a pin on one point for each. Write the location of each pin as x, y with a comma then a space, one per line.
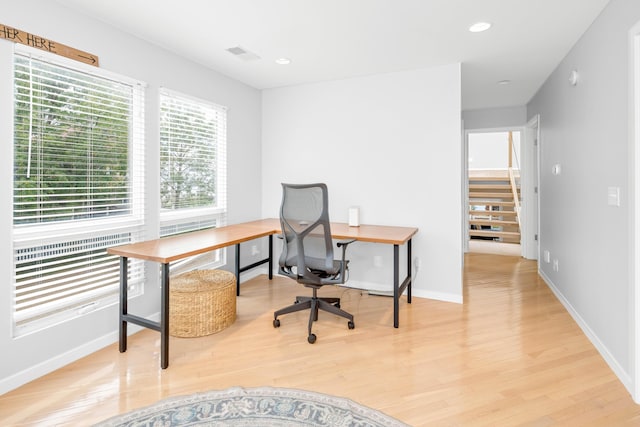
314, 303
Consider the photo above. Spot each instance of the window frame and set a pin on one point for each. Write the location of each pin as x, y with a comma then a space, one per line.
68, 231
216, 213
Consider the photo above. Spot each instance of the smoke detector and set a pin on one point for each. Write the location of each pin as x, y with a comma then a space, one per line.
242, 53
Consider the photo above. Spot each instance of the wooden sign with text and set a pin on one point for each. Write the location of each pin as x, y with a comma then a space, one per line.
28, 39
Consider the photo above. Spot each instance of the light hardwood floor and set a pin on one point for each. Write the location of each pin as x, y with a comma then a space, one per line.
496, 248
510, 355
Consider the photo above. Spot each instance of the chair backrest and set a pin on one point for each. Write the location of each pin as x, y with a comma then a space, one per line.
307, 254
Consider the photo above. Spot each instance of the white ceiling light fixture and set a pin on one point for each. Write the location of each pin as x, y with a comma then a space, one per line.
283, 61
479, 27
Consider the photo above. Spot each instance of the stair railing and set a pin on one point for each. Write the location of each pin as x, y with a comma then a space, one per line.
512, 176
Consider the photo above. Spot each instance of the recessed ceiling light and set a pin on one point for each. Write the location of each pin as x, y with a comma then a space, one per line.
283, 61
478, 27
504, 82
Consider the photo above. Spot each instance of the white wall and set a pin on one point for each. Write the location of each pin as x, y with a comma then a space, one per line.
584, 129
490, 150
389, 143
33, 355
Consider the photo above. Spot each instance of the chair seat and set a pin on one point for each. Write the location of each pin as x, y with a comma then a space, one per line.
316, 264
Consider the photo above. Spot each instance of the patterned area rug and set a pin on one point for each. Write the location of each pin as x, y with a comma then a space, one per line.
262, 406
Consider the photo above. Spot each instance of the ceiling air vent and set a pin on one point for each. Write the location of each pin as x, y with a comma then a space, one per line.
242, 53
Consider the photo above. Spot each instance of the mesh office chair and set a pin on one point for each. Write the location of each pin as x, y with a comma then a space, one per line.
307, 254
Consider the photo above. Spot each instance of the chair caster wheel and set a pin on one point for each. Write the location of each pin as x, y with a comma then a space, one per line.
276, 323
311, 338
351, 325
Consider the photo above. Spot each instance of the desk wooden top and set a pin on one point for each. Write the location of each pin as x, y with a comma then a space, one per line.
373, 233
173, 248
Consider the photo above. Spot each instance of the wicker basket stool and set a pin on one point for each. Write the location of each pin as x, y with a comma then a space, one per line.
201, 302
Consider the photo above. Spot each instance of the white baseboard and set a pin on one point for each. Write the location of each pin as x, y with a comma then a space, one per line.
20, 378
438, 296
385, 289
617, 369
374, 288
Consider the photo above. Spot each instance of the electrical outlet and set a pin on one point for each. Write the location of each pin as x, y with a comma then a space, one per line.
613, 196
416, 263
377, 261
254, 250
556, 267
547, 256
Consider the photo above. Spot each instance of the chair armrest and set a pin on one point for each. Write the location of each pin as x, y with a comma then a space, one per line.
345, 242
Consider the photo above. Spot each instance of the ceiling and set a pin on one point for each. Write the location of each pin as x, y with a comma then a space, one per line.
335, 39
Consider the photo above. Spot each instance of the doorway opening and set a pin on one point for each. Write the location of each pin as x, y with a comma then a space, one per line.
494, 192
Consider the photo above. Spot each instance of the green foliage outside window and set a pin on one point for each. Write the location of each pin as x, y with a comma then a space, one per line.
71, 148
188, 154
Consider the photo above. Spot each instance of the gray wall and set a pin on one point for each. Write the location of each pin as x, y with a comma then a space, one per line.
495, 118
38, 353
584, 129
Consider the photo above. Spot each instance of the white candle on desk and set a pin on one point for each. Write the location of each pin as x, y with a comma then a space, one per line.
354, 216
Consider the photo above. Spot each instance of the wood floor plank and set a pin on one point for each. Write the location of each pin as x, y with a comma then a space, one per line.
510, 355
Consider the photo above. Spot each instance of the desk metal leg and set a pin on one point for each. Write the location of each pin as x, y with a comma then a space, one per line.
123, 304
270, 256
398, 288
409, 271
164, 318
396, 285
238, 269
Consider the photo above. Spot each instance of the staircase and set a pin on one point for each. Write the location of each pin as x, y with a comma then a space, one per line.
493, 210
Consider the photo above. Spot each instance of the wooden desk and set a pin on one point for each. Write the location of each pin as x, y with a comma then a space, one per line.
173, 248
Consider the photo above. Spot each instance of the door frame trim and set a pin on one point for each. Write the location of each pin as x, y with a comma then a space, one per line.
634, 205
530, 179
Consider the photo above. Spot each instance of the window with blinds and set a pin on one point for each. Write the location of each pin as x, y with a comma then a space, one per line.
193, 170
77, 188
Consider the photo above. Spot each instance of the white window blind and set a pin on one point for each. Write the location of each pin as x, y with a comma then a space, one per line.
78, 171
193, 170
